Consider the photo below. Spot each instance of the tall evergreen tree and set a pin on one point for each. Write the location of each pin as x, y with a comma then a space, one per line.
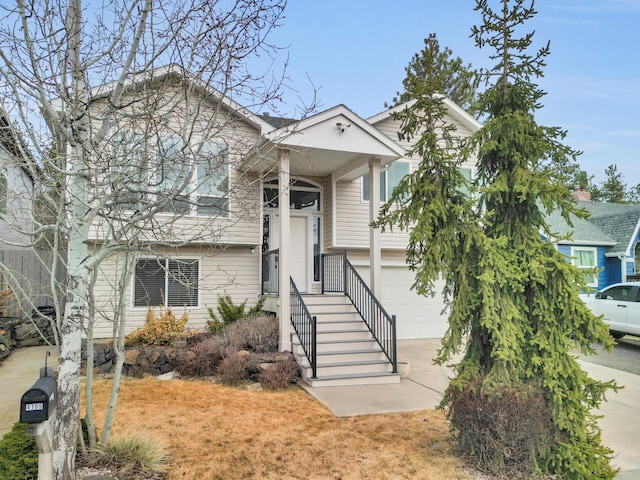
512, 297
613, 189
458, 81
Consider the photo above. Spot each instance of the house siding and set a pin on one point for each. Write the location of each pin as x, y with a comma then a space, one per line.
612, 272
241, 226
352, 213
233, 271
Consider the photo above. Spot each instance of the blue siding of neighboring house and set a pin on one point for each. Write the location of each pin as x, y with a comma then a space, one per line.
612, 271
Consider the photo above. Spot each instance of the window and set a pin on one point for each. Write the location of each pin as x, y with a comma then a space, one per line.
172, 172
128, 170
4, 192
389, 179
624, 293
212, 178
585, 259
164, 282
302, 195
466, 173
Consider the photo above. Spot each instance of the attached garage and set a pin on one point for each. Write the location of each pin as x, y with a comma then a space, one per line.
416, 316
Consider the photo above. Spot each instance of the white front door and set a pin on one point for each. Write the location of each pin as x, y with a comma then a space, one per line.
299, 261
299, 248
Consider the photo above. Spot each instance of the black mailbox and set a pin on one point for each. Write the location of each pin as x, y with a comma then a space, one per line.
39, 401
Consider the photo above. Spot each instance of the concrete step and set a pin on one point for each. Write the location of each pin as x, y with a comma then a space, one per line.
348, 380
340, 325
337, 316
327, 298
341, 345
319, 309
355, 368
344, 334
351, 355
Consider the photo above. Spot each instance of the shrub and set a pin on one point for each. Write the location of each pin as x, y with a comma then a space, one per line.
18, 454
257, 333
233, 368
6, 297
201, 359
505, 426
162, 329
231, 313
280, 375
130, 457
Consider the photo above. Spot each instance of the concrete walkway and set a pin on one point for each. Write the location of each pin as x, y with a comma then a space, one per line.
426, 383
18, 373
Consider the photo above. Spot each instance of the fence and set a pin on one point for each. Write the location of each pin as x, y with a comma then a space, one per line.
27, 272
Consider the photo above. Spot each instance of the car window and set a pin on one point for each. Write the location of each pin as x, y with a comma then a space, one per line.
621, 294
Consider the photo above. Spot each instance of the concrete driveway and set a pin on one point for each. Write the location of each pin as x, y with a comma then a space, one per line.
17, 374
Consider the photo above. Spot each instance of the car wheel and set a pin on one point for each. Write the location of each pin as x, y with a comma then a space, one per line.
616, 335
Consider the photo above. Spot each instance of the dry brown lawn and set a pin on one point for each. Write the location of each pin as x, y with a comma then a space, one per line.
218, 432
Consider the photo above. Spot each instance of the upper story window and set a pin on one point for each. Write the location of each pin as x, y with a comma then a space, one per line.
302, 195
196, 178
389, 179
467, 174
4, 190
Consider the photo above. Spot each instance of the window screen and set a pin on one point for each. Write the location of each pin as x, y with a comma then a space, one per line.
166, 282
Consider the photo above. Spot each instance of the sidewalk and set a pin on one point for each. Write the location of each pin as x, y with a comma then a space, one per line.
17, 374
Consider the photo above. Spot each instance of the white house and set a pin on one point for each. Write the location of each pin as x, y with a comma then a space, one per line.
291, 198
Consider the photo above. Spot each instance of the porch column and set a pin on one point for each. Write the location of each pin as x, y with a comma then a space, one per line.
285, 240
375, 255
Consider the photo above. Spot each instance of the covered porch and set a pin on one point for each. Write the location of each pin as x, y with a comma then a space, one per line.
333, 146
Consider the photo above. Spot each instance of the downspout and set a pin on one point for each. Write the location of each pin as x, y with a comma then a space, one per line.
623, 267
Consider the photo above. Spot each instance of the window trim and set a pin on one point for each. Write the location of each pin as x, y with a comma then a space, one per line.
385, 172
194, 258
574, 258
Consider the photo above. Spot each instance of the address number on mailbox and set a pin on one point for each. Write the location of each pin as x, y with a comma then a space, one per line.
32, 407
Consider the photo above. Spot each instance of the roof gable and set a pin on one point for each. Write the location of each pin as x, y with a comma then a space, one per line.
158, 74
453, 109
340, 139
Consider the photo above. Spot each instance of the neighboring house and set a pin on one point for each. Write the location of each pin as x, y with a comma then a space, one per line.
608, 239
317, 186
22, 268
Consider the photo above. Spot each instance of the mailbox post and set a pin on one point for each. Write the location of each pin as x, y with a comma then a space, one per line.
38, 410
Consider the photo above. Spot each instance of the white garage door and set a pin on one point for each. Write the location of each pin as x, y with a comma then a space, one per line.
416, 316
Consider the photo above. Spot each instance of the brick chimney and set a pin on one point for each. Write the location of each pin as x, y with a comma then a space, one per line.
581, 195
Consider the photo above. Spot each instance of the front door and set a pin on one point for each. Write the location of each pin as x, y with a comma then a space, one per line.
299, 248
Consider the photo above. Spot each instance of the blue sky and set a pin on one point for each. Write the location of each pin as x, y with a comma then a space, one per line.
355, 51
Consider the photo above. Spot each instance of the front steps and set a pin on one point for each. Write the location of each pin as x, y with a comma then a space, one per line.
347, 353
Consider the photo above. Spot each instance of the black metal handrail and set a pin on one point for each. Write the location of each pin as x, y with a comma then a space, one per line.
340, 276
270, 281
333, 271
305, 327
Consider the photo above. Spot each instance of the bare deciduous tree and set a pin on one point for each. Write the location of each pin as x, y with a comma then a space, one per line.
123, 106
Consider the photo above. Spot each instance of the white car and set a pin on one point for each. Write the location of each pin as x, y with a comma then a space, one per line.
620, 306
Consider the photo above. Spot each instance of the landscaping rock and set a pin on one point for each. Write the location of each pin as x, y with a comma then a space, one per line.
131, 356
168, 376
